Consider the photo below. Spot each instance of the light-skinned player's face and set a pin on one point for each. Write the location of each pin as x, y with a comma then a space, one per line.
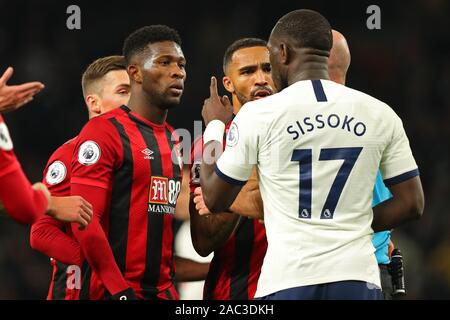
249, 74
163, 73
115, 90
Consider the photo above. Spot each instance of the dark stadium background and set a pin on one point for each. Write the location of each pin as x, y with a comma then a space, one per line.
406, 64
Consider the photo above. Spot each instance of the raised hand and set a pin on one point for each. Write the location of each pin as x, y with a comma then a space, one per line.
215, 107
14, 97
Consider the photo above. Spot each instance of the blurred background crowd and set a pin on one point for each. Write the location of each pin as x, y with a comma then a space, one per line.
405, 64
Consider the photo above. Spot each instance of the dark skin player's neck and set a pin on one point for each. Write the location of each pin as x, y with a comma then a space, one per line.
141, 104
308, 64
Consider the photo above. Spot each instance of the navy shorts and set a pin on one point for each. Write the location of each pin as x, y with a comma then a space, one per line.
342, 290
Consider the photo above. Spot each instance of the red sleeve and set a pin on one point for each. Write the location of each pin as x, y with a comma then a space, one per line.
8, 161
48, 236
97, 154
93, 241
22, 203
57, 172
194, 164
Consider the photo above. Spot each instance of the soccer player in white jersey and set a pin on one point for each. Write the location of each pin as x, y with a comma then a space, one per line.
317, 146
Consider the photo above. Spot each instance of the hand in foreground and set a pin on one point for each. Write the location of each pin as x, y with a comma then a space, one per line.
14, 97
215, 107
71, 209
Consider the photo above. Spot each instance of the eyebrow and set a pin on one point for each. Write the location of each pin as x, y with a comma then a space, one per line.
126, 85
253, 66
172, 57
248, 67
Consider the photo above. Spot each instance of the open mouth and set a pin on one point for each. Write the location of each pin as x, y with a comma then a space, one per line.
261, 94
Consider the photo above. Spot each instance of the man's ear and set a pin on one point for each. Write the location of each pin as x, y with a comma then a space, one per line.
285, 53
135, 73
228, 85
93, 103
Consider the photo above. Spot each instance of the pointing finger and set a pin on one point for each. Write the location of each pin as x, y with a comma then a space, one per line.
213, 87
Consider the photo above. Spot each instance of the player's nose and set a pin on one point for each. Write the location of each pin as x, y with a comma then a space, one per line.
261, 78
178, 72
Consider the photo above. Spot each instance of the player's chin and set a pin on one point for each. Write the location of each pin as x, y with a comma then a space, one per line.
171, 102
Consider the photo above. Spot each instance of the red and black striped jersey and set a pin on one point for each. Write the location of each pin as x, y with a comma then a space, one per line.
66, 279
235, 268
138, 164
234, 271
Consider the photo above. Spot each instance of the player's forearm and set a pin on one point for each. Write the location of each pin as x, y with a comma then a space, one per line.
210, 232
49, 239
21, 202
393, 213
93, 241
99, 255
214, 199
249, 202
190, 270
406, 204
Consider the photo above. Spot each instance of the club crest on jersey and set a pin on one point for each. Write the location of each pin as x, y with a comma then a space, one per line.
163, 195
233, 135
56, 173
89, 153
195, 172
5, 140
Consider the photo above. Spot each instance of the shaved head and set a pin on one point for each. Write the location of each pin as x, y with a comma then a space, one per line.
339, 60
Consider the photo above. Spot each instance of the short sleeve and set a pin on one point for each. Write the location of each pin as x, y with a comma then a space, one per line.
56, 174
397, 161
98, 152
241, 152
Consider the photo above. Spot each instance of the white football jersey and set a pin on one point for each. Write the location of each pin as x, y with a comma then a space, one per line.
317, 146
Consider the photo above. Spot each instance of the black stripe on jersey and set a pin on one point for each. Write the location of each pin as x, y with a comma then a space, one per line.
318, 91
86, 271
168, 294
243, 250
175, 227
155, 221
177, 172
212, 278
120, 201
60, 280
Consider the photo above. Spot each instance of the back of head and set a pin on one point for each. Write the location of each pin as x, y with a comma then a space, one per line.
304, 29
240, 44
339, 60
97, 70
137, 42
